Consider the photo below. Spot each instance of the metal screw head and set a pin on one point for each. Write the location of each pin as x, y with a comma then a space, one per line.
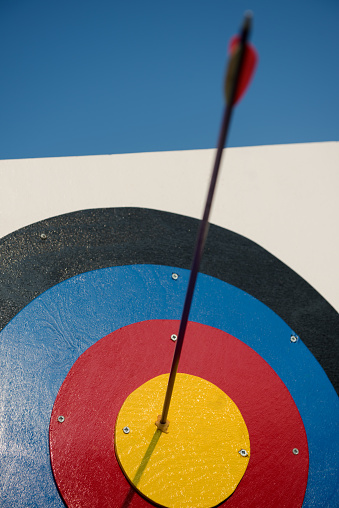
295, 451
43, 236
174, 337
126, 430
294, 338
243, 453
61, 419
175, 276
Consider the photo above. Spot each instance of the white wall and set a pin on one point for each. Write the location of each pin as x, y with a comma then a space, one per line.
284, 197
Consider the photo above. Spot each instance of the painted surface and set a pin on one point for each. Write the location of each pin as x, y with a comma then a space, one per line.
40, 345
93, 393
197, 463
282, 197
88, 240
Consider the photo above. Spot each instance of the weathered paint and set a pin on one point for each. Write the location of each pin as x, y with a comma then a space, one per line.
196, 464
82, 448
39, 346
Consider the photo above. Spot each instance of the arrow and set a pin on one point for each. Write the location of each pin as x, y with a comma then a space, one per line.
237, 78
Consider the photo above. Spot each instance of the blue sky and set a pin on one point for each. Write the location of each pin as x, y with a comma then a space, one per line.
85, 78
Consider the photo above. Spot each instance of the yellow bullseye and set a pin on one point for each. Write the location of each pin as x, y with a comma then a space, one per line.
201, 460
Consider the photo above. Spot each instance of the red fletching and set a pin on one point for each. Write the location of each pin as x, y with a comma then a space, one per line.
248, 66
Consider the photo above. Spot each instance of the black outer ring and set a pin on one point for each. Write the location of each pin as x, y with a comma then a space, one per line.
91, 239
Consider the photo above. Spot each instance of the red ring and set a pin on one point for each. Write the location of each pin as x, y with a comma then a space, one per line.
82, 448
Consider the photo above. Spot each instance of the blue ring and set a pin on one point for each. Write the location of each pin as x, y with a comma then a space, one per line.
39, 346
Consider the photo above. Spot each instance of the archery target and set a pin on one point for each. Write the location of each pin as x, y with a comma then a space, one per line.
42, 342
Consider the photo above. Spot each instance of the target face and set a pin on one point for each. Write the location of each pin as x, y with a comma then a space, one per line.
92, 290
